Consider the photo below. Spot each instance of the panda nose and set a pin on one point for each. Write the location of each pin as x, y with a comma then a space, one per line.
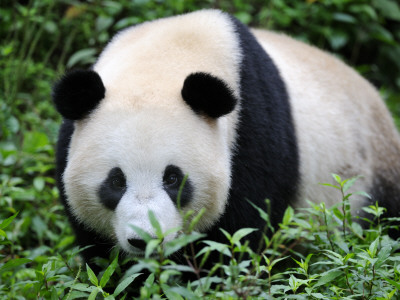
138, 243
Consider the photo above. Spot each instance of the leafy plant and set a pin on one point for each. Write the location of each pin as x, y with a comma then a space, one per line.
40, 39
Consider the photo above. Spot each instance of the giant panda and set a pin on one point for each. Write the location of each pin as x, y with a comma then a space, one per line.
245, 114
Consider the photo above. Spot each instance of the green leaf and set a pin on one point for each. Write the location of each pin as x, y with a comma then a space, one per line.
295, 283
7, 221
330, 185
83, 56
12, 124
11, 264
92, 277
373, 248
275, 261
361, 193
308, 258
125, 283
151, 246
318, 295
222, 248
369, 210
83, 287
288, 216
389, 9
196, 219
143, 234
181, 241
394, 283
226, 234
93, 294
337, 178
344, 18
108, 272
384, 35
348, 183
54, 295
338, 213
357, 229
39, 225
238, 235
183, 292
34, 141
102, 23
66, 241
342, 245
39, 275
262, 213
171, 294
39, 183
328, 277
365, 9
10, 160
244, 17
150, 280
383, 255
179, 197
335, 257
51, 27
156, 225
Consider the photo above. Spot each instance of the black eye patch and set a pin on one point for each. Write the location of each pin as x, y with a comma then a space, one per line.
172, 181
113, 188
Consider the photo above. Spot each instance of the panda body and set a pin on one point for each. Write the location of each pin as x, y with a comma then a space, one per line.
246, 115
355, 133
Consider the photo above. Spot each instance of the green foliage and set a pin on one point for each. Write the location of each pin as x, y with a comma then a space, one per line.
40, 39
343, 262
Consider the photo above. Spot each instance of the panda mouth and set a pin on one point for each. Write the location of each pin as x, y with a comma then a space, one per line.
137, 254
138, 244
132, 252
137, 247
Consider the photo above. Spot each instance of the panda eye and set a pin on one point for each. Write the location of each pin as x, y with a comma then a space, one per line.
170, 179
118, 183
173, 177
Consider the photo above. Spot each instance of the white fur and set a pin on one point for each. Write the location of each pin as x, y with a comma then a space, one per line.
133, 209
342, 125
143, 125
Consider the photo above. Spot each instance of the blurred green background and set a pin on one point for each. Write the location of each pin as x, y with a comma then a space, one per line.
40, 40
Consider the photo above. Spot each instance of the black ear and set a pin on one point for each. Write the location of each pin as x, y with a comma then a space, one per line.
208, 95
77, 93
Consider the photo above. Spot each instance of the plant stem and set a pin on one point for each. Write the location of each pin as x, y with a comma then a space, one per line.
347, 282
327, 231
372, 281
344, 212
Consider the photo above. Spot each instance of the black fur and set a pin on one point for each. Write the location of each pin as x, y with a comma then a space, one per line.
173, 190
78, 93
138, 243
266, 161
386, 191
113, 188
208, 95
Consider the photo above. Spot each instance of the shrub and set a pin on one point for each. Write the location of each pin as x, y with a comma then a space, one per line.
338, 260
40, 39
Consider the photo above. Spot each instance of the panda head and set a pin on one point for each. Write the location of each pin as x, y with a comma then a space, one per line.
147, 115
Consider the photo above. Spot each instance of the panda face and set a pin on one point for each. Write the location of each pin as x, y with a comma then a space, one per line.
114, 187
121, 166
165, 107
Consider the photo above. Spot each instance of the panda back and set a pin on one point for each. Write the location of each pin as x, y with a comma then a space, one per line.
342, 125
